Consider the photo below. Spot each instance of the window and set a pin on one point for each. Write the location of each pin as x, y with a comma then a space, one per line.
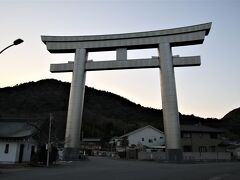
161, 137
213, 135
155, 139
150, 140
202, 149
187, 148
142, 139
186, 135
6, 148
213, 148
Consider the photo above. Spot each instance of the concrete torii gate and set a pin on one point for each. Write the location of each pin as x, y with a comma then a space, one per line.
164, 40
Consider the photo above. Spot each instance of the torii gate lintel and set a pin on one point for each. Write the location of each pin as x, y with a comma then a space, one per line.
153, 62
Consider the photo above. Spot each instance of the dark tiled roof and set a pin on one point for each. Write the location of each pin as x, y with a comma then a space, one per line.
199, 128
16, 129
91, 140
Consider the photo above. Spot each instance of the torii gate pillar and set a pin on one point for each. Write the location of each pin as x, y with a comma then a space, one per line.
164, 40
75, 106
169, 104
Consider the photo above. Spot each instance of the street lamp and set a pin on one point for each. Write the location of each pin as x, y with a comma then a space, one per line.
16, 42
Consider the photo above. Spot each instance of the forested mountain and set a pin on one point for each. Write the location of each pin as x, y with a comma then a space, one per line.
105, 114
231, 122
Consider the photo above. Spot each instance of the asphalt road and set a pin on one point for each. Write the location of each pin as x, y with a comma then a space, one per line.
107, 169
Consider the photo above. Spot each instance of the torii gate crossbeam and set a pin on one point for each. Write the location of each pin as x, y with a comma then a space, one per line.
154, 62
164, 40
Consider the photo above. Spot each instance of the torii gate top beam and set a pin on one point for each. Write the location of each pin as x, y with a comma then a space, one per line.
189, 35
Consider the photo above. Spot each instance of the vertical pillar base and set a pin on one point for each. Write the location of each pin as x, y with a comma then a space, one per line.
71, 154
174, 155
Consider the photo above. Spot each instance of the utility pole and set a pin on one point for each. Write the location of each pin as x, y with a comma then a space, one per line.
49, 139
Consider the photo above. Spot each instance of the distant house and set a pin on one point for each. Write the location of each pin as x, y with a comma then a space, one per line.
128, 145
232, 146
89, 145
235, 151
199, 138
16, 142
145, 136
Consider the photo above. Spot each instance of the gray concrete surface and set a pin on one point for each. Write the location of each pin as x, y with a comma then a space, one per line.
169, 104
76, 101
182, 36
107, 169
153, 62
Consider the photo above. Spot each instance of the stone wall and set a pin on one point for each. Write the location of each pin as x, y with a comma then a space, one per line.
188, 156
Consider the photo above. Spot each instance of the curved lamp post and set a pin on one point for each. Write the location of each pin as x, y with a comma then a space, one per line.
16, 42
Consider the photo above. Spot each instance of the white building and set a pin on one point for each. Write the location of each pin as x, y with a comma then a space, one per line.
16, 143
146, 136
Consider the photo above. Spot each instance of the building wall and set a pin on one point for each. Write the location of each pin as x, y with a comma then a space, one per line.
204, 142
27, 152
147, 137
11, 155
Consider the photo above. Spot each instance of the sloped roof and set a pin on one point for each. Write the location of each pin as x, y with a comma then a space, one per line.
16, 129
91, 139
140, 129
199, 128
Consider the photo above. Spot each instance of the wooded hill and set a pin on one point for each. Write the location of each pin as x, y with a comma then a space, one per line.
105, 114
